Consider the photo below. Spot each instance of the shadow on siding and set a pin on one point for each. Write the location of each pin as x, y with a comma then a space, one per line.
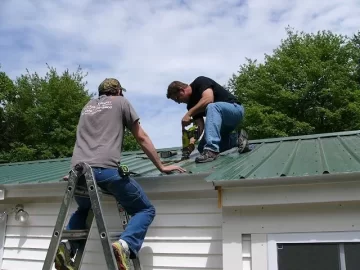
146, 258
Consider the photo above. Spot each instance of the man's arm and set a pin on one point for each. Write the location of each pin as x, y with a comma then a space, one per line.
146, 144
206, 98
131, 121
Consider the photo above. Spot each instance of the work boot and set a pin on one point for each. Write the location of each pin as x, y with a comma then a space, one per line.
206, 156
122, 256
243, 142
63, 257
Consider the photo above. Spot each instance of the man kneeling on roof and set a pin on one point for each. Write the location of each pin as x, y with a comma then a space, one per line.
206, 98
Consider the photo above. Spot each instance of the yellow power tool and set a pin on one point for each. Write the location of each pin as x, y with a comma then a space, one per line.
187, 135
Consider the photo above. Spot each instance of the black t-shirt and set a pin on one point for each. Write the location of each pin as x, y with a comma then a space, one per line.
200, 84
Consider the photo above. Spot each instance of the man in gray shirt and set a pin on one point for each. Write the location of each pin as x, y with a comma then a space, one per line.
99, 140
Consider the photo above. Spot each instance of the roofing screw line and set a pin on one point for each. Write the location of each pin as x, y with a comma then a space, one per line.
253, 151
290, 161
263, 160
350, 151
323, 160
233, 166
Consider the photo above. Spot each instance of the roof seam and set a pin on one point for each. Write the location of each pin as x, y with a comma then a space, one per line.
290, 161
307, 137
350, 151
323, 160
263, 161
233, 165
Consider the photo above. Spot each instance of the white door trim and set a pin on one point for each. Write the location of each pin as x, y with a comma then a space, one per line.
332, 237
2, 239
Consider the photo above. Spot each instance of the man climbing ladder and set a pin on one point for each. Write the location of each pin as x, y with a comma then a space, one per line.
99, 139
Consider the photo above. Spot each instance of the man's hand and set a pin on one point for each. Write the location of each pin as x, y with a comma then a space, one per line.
170, 168
66, 178
186, 120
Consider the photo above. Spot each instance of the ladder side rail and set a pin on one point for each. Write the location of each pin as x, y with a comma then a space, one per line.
60, 222
125, 217
80, 252
97, 211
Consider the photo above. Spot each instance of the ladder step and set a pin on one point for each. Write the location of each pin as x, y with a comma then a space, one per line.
81, 192
75, 234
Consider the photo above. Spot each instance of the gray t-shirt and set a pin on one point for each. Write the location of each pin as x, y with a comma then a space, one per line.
100, 131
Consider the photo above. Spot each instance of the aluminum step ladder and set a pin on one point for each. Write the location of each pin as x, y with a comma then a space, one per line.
82, 183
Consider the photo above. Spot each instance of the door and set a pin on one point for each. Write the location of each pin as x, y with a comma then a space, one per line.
3, 221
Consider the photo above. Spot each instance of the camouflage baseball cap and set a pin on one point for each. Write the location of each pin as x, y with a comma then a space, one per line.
109, 84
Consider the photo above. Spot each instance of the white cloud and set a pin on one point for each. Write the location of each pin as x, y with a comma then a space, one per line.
148, 44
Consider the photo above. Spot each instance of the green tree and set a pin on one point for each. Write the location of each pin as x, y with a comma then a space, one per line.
6, 94
310, 84
130, 143
42, 114
39, 115
356, 41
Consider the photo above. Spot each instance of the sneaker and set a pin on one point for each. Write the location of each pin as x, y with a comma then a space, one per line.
63, 258
206, 156
122, 256
243, 142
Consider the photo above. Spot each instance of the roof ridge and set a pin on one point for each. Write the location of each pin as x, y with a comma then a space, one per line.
124, 154
35, 161
307, 137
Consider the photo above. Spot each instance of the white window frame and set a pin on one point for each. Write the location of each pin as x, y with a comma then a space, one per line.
323, 237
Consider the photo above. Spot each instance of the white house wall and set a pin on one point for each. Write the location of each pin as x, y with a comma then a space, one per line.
186, 233
283, 209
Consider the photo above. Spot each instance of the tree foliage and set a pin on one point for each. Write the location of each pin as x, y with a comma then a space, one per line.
310, 84
130, 143
39, 115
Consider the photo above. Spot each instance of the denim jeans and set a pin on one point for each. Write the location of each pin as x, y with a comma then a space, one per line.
131, 197
221, 120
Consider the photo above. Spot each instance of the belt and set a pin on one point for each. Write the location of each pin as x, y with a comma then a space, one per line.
236, 102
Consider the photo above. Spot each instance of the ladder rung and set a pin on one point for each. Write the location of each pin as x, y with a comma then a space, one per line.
84, 193
75, 234
81, 193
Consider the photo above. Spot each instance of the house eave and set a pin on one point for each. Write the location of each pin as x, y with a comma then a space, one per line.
151, 185
289, 180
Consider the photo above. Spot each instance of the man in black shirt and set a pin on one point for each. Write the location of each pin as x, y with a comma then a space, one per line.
206, 98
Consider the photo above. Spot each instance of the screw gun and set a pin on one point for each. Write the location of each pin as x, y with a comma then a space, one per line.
187, 134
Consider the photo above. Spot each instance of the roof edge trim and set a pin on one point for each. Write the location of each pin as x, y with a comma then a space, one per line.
306, 137
140, 180
291, 180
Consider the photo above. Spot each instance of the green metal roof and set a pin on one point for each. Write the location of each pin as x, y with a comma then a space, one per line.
329, 153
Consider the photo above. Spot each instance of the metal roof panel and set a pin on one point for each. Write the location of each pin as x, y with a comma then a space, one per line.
269, 158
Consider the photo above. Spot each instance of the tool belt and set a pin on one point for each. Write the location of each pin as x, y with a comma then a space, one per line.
123, 170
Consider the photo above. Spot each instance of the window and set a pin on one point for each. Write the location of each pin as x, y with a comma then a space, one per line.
314, 251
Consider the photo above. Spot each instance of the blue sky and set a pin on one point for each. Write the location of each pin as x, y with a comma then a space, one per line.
148, 44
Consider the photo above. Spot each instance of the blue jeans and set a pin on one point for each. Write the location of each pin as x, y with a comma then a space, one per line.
221, 120
131, 197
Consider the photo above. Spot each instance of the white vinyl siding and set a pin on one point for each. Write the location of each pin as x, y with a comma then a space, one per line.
260, 221
186, 234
